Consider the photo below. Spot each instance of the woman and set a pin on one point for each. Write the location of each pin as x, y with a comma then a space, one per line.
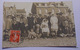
54, 24
45, 28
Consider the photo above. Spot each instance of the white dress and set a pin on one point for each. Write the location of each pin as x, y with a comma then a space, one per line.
45, 27
54, 23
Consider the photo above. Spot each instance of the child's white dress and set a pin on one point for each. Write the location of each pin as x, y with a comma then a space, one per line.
45, 27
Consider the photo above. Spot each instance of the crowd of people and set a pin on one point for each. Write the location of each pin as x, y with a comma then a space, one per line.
38, 26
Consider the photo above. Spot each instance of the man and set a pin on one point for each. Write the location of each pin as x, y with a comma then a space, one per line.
54, 24
30, 21
22, 27
37, 24
49, 23
61, 19
14, 24
66, 23
59, 29
39, 19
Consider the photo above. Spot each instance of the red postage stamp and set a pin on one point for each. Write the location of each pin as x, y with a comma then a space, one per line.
14, 36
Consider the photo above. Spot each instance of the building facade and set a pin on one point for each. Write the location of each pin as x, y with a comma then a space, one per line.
13, 11
46, 7
10, 10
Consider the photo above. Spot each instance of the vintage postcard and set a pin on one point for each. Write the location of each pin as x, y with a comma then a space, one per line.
38, 24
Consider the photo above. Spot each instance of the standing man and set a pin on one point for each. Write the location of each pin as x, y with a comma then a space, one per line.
61, 20
14, 24
38, 22
30, 21
22, 27
49, 23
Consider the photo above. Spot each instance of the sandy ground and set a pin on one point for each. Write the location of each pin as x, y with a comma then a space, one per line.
66, 41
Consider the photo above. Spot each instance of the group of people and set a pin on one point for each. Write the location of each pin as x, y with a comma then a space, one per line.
51, 25
38, 26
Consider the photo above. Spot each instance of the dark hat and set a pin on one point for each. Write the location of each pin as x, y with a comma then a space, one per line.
57, 13
17, 15
40, 15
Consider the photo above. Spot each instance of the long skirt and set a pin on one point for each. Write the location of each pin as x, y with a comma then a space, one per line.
54, 27
45, 30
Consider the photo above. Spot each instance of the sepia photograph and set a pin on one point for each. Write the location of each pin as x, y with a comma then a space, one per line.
38, 24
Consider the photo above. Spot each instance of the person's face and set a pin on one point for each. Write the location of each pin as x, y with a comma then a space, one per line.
31, 30
44, 20
21, 20
14, 19
31, 15
37, 15
9, 17
52, 15
17, 16
28, 31
49, 14
14, 22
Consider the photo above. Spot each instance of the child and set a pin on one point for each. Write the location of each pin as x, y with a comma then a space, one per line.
38, 30
32, 34
45, 28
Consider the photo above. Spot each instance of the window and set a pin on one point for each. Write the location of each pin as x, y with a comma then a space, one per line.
53, 11
39, 11
62, 4
59, 10
46, 10
45, 4
65, 10
52, 5
39, 4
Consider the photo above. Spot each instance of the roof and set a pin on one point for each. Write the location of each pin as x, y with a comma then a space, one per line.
61, 4
50, 4
20, 10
